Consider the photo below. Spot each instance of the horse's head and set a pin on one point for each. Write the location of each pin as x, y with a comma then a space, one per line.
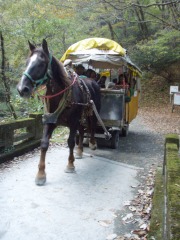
36, 72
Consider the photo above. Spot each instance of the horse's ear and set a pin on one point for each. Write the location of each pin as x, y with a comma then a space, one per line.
31, 46
45, 46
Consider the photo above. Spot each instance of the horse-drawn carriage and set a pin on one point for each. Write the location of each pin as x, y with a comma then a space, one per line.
72, 102
119, 99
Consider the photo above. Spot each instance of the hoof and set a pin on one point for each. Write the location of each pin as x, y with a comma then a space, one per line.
70, 170
40, 180
78, 154
86, 141
93, 146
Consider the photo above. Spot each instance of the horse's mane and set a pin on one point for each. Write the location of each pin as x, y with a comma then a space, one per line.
59, 74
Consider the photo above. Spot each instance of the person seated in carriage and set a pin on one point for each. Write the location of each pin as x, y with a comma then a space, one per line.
123, 80
80, 70
90, 73
102, 81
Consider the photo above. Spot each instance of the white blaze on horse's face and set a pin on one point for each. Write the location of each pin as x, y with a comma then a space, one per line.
25, 86
31, 61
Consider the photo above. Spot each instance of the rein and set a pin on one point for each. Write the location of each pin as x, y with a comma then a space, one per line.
63, 103
59, 93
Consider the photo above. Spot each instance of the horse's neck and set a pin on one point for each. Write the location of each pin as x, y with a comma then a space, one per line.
59, 81
59, 75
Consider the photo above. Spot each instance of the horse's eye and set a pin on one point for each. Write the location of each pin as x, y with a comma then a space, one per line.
42, 64
42, 57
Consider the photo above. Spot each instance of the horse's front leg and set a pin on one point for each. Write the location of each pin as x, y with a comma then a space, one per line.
47, 132
71, 144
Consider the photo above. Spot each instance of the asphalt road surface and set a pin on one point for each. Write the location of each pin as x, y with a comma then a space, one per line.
86, 205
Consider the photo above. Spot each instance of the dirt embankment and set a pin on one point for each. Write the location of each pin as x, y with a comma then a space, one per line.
156, 108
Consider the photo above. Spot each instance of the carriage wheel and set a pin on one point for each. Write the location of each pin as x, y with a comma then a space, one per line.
115, 140
125, 131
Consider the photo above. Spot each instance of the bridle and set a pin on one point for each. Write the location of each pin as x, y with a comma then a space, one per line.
45, 79
47, 76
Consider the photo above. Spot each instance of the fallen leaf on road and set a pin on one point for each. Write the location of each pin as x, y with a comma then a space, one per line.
131, 208
104, 223
140, 233
140, 191
143, 226
111, 237
128, 216
120, 238
127, 203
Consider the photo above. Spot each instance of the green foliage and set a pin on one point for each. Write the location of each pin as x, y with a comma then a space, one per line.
26, 106
159, 52
149, 31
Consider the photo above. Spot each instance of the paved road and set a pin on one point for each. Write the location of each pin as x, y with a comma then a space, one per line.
81, 206
141, 148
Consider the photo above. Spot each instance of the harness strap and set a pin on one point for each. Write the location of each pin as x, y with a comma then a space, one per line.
59, 93
106, 133
63, 103
52, 117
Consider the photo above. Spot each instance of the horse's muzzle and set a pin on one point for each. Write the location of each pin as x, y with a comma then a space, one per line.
24, 92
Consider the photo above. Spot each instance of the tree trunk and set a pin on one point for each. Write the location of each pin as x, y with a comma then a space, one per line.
111, 30
175, 14
142, 22
5, 81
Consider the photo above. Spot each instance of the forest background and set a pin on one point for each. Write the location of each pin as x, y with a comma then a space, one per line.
148, 29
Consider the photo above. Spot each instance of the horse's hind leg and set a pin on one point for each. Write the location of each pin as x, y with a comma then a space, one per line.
47, 132
71, 144
92, 141
79, 150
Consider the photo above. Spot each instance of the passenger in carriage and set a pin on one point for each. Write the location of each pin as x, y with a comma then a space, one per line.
102, 82
132, 86
98, 76
80, 70
112, 84
121, 83
123, 80
90, 73
93, 75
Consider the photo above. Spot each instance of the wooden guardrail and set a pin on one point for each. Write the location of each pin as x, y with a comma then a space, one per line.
20, 136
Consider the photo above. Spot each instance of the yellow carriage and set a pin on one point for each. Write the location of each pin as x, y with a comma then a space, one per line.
119, 100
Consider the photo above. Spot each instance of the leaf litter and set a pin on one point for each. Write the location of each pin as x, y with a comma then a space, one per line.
140, 209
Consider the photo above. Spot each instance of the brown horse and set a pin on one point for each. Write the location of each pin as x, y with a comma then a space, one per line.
68, 102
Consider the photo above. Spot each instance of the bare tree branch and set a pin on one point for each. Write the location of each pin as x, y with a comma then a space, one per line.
115, 6
154, 4
163, 21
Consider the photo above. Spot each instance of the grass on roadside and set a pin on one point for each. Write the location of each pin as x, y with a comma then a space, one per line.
156, 224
